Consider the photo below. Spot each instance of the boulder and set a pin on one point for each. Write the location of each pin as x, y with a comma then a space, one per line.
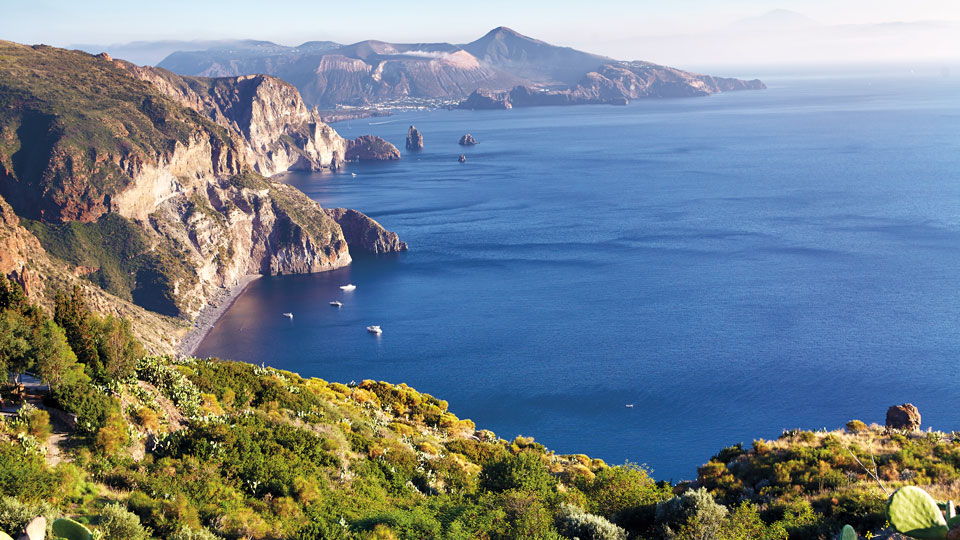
36, 529
462, 158
371, 148
467, 140
414, 139
904, 416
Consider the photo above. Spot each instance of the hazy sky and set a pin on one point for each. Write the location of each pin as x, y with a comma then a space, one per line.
617, 28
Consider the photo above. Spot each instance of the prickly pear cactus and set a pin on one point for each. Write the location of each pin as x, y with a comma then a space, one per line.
913, 512
848, 533
71, 530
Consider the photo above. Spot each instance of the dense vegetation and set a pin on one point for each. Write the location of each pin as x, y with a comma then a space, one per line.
201, 449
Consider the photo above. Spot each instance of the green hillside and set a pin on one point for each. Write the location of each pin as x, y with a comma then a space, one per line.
152, 447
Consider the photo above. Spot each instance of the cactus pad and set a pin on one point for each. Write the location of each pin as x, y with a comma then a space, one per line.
71, 530
913, 512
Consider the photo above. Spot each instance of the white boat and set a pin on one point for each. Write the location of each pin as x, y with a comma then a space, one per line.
374, 330
290, 315
353, 174
348, 287
629, 405
336, 303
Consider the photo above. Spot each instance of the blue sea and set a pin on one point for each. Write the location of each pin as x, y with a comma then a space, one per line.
731, 266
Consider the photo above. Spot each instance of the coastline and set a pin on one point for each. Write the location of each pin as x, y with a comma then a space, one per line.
210, 314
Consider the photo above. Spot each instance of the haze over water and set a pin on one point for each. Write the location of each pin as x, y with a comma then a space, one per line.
733, 266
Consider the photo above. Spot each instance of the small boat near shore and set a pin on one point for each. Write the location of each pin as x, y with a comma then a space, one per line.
288, 315
374, 330
336, 303
348, 287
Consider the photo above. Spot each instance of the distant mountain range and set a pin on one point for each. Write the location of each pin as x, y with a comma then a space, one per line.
782, 38
375, 72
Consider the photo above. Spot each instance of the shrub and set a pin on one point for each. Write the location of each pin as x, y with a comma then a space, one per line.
524, 471
34, 421
116, 523
24, 474
15, 515
573, 522
244, 523
88, 402
113, 436
148, 419
615, 489
186, 533
856, 426
694, 508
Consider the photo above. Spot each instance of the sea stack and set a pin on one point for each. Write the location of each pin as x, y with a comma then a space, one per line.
414, 139
467, 140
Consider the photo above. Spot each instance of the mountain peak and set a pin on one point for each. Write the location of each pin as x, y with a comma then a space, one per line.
500, 30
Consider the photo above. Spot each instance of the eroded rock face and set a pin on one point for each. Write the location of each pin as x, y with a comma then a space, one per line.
281, 133
904, 416
371, 148
414, 139
17, 246
365, 234
467, 140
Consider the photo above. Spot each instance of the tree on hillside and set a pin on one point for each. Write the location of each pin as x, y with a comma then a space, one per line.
72, 315
55, 363
11, 294
117, 347
15, 341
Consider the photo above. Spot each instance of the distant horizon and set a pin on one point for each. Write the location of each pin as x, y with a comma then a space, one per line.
697, 32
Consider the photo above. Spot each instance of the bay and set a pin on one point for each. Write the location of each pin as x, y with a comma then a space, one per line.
732, 266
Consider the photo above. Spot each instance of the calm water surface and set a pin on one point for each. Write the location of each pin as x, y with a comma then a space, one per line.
732, 266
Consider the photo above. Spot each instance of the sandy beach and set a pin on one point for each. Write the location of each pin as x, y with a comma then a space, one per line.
209, 316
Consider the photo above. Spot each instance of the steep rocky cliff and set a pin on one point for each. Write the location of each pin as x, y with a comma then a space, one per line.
144, 196
281, 133
365, 234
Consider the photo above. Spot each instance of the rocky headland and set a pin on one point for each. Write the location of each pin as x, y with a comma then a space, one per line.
364, 234
613, 84
150, 186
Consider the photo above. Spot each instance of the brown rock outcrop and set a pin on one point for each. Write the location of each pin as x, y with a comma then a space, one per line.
371, 148
17, 246
414, 139
904, 416
365, 234
467, 140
